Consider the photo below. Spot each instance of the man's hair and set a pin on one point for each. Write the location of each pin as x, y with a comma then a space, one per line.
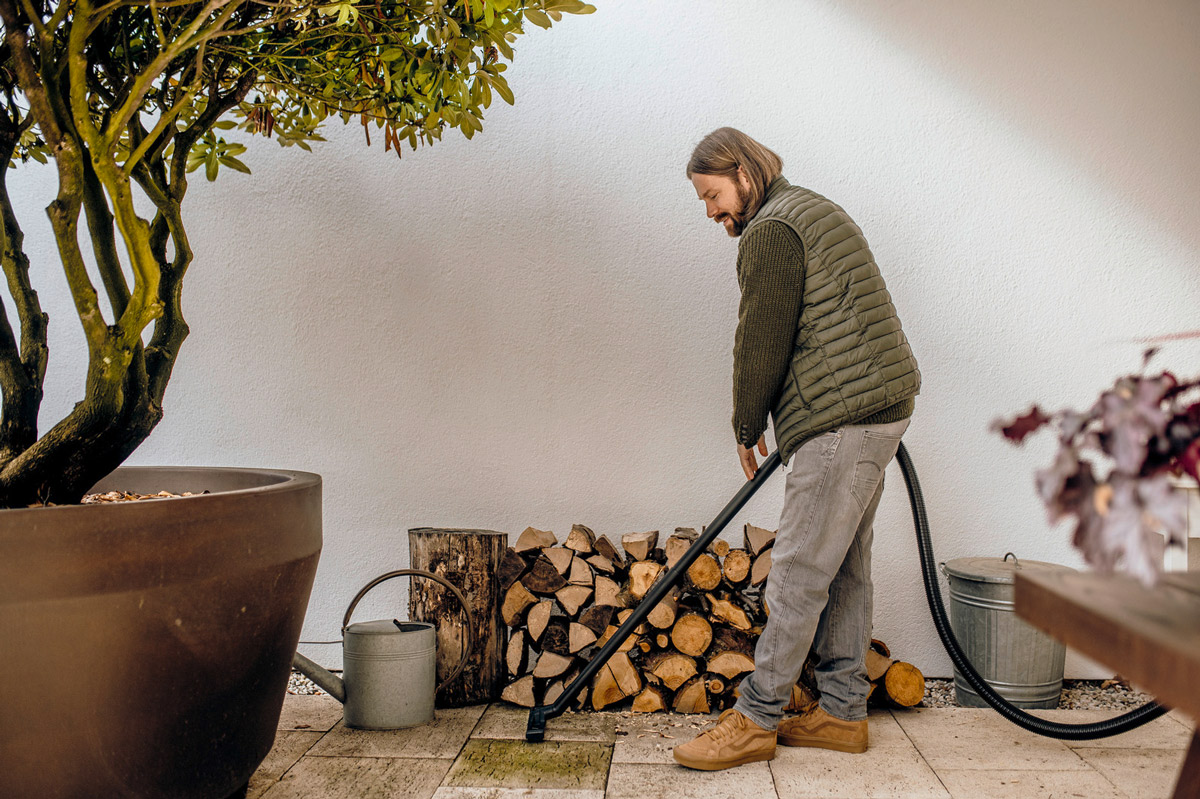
724, 150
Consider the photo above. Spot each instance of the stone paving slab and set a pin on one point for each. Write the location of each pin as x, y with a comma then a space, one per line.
1010, 784
491, 763
289, 747
442, 738
360, 778
310, 713
514, 793
649, 781
1162, 733
895, 771
968, 738
1139, 773
502, 721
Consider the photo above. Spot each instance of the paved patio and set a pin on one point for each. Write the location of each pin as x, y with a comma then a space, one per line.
480, 753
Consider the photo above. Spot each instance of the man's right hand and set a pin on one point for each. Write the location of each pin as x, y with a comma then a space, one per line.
746, 456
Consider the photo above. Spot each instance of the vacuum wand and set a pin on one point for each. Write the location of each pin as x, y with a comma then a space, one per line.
535, 732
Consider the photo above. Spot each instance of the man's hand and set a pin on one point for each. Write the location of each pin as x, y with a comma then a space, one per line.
746, 456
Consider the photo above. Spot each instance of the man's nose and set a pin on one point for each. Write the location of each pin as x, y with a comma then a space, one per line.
710, 209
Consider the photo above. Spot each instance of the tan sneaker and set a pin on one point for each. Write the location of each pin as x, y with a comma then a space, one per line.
815, 727
735, 741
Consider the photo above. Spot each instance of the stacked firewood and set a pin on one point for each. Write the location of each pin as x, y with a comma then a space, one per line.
563, 602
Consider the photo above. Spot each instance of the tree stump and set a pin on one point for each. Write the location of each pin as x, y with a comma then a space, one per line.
469, 559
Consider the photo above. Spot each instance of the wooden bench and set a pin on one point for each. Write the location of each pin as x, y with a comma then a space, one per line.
1150, 636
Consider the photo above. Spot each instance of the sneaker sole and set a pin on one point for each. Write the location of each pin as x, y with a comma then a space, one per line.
824, 743
718, 765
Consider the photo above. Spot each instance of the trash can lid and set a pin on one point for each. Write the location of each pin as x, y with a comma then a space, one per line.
996, 570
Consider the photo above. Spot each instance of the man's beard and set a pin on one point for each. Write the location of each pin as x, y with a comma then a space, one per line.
738, 217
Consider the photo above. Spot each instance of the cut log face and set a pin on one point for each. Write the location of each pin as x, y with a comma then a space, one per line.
672, 669
678, 544
629, 643
511, 567
652, 699
704, 573
581, 539
560, 557
725, 611
641, 576
608, 592
692, 634
736, 568
615, 681
692, 696
552, 665
639, 545
719, 547
580, 638
543, 578
877, 665
555, 638
581, 573
757, 539
517, 654
730, 664
663, 614
602, 564
903, 684
520, 692
596, 618
761, 569
534, 538
573, 597
538, 617
516, 601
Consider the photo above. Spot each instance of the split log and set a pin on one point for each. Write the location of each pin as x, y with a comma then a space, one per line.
622, 615
579, 638
581, 573
727, 639
761, 568
692, 634
552, 665
596, 618
651, 700
730, 664
736, 568
517, 656
671, 668
608, 592
615, 681
516, 601
663, 614
802, 697
543, 578
715, 684
520, 692
704, 573
881, 647
556, 637
723, 610
511, 567
692, 697
629, 643
877, 664
642, 575
605, 549
561, 558
678, 544
903, 684
538, 617
601, 564
757, 539
639, 545
573, 597
534, 538
581, 539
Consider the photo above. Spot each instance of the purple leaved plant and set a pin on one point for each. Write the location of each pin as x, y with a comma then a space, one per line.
1112, 469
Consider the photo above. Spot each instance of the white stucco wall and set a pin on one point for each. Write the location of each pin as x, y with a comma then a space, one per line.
535, 327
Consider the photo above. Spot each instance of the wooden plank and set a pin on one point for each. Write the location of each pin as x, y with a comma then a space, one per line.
1151, 636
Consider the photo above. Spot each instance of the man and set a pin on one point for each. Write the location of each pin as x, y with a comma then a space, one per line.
819, 348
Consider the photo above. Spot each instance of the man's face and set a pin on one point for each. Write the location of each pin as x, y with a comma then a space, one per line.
724, 199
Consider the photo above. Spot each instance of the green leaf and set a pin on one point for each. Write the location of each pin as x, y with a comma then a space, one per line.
537, 17
211, 165
501, 86
233, 163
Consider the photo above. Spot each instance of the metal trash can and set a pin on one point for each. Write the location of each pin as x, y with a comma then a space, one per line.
1021, 663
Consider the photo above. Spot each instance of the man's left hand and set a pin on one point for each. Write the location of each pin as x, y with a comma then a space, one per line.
746, 456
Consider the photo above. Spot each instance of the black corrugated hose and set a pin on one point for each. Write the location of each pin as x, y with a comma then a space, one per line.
1074, 732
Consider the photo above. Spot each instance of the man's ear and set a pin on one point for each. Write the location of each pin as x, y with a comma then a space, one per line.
743, 181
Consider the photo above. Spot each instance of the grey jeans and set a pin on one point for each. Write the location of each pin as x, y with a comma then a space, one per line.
819, 591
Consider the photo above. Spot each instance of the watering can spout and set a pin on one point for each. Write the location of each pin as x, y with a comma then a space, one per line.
328, 683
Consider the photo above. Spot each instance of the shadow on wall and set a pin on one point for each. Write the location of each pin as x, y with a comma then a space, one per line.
1113, 85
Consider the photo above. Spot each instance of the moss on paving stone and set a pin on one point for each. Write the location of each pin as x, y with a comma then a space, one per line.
488, 763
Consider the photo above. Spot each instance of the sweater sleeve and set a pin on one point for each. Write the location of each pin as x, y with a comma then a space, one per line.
770, 270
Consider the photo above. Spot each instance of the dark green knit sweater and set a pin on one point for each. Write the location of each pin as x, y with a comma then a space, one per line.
770, 270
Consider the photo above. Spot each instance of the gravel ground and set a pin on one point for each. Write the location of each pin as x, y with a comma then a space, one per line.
1076, 695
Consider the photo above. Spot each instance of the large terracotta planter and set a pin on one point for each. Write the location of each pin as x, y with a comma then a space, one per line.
145, 647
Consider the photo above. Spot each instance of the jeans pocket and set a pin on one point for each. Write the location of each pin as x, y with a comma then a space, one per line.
876, 450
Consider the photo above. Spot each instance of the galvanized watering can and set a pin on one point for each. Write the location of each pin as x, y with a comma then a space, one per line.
389, 666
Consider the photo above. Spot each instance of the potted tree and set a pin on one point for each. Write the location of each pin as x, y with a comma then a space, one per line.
146, 645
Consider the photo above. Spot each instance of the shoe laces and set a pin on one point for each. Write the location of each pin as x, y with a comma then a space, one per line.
728, 726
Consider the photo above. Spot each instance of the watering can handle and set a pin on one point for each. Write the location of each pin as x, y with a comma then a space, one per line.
462, 600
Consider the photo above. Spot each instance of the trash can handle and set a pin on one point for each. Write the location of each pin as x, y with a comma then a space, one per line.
1016, 563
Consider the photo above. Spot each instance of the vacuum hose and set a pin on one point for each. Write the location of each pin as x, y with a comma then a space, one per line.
1075, 732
